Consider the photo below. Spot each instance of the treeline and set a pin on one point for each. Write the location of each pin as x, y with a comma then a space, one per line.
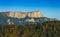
46, 29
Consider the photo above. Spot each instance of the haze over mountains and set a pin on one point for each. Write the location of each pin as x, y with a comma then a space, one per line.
22, 17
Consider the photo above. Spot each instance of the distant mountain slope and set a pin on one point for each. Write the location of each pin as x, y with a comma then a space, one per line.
22, 18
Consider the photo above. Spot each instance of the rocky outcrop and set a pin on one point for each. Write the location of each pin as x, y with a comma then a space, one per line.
23, 14
22, 17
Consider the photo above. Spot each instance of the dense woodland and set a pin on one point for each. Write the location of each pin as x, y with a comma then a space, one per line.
46, 29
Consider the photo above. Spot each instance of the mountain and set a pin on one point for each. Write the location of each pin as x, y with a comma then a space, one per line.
22, 17
23, 14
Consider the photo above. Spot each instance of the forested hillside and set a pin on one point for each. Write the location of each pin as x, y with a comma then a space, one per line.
46, 29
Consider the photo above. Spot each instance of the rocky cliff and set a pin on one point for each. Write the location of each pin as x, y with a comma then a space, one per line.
23, 14
22, 17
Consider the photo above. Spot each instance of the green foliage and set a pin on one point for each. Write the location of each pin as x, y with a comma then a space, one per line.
46, 29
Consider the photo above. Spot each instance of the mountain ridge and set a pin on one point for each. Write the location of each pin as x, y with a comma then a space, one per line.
22, 14
24, 18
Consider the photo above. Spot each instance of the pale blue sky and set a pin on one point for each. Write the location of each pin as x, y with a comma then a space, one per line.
49, 8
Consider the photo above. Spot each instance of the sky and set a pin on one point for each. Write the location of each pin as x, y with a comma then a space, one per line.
49, 8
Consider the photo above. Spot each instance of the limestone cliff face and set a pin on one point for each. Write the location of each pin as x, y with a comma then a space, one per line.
22, 17
23, 14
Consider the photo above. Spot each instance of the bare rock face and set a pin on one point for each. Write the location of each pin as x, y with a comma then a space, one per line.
22, 17
23, 14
